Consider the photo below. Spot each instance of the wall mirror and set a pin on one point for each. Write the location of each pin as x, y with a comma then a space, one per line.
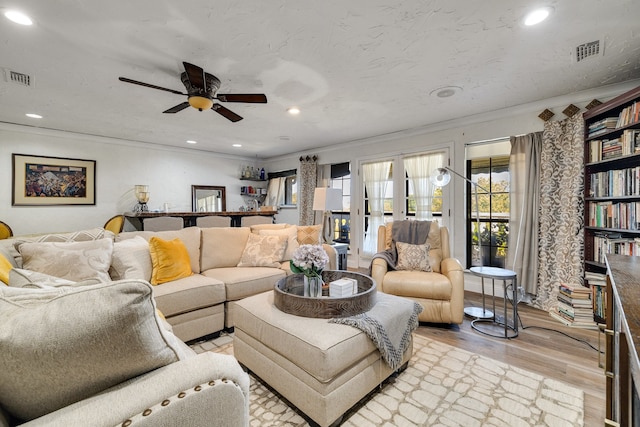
208, 198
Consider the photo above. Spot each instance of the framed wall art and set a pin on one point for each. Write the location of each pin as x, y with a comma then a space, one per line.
50, 181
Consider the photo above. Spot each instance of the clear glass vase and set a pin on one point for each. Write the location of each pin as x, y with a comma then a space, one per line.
312, 286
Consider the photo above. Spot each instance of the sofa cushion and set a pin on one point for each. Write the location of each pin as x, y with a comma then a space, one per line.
223, 246
62, 345
188, 294
413, 257
418, 284
190, 236
241, 282
257, 227
76, 236
74, 261
263, 251
131, 260
291, 233
170, 260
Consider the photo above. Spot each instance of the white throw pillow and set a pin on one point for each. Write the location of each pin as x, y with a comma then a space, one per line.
263, 251
94, 337
131, 260
76, 261
291, 233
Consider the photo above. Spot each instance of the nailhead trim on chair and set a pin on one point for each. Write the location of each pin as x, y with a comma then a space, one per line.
181, 395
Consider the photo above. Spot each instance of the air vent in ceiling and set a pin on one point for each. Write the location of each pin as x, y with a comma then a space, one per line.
18, 78
588, 50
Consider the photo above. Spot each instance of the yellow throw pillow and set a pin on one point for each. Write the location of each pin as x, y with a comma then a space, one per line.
170, 260
310, 234
5, 268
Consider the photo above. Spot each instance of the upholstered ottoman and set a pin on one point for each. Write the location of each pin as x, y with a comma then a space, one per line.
322, 368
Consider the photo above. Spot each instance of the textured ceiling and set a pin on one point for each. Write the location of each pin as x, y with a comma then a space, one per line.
356, 69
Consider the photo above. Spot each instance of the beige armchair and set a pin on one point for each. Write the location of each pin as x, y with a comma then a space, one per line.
440, 292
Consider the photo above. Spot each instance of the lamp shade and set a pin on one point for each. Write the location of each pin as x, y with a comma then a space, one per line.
327, 199
440, 177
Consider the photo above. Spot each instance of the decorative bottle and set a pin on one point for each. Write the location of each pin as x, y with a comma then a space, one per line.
262, 174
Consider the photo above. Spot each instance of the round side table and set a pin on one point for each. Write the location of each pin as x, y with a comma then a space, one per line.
495, 273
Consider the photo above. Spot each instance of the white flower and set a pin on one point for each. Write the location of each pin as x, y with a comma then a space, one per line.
310, 259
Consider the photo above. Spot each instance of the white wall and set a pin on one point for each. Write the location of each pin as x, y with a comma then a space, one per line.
169, 172
453, 135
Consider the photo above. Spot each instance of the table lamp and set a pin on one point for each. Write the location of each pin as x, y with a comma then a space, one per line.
142, 194
326, 200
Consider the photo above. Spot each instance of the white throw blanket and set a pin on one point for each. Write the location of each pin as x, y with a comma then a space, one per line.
388, 324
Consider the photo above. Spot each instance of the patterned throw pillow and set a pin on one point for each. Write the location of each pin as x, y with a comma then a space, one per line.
310, 234
291, 233
413, 257
263, 251
75, 261
169, 259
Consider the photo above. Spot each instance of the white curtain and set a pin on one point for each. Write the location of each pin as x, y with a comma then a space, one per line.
376, 176
275, 192
419, 169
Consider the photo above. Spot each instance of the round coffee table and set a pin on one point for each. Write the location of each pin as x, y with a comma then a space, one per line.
288, 296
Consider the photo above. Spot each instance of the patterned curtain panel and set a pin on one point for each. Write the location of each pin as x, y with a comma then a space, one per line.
561, 209
306, 184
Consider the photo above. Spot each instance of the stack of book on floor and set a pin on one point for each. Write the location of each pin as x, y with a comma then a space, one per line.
574, 306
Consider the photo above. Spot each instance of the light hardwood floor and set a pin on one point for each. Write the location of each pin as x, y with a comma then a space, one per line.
546, 352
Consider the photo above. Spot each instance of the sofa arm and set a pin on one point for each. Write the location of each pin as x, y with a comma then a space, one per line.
333, 256
452, 268
205, 390
379, 268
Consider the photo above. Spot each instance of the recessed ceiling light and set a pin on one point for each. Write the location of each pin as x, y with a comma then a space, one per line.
191, 141
446, 91
18, 17
33, 116
293, 111
237, 145
537, 16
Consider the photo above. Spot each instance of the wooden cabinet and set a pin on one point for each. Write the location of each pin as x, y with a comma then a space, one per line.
612, 183
622, 367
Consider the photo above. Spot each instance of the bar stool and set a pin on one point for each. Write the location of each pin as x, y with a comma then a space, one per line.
496, 273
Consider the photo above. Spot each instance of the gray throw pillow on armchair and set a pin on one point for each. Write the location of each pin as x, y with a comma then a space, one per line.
61, 345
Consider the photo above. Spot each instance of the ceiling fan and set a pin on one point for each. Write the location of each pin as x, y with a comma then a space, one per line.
202, 90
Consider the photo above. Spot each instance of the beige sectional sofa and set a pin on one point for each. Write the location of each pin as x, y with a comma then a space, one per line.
226, 263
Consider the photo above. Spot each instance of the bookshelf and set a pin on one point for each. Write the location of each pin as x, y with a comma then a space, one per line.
612, 188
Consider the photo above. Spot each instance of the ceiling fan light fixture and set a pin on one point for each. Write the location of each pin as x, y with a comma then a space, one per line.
200, 102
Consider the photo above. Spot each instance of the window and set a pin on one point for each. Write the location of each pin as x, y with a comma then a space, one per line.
291, 190
492, 177
341, 219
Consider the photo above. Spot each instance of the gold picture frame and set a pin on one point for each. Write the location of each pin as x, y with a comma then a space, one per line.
51, 181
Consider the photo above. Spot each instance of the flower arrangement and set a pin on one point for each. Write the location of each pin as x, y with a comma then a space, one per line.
309, 260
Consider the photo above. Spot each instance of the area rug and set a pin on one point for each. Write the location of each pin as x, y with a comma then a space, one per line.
445, 386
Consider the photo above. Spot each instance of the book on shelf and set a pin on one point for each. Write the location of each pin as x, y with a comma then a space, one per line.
629, 115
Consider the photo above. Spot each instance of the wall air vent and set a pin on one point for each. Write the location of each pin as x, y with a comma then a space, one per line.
588, 50
18, 78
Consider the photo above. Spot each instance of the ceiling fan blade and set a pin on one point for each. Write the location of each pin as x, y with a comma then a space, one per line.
177, 108
135, 82
257, 98
195, 75
226, 112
